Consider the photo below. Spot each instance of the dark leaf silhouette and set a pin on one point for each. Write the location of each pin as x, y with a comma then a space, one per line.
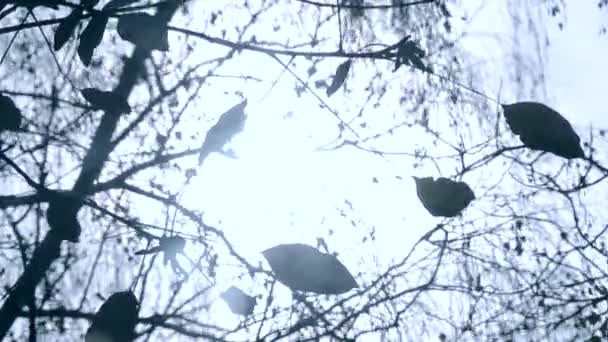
62, 216
339, 78
409, 53
113, 4
417, 63
229, 124
91, 37
303, 268
116, 319
443, 197
106, 100
66, 28
544, 129
238, 301
153, 37
10, 115
170, 246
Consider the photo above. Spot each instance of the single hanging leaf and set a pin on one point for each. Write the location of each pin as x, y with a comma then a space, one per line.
409, 53
66, 28
238, 301
106, 100
91, 37
443, 197
541, 128
153, 37
229, 124
115, 320
339, 78
170, 246
10, 115
114, 4
303, 268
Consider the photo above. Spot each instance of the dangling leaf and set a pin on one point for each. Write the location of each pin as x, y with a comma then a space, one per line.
303, 268
10, 115
114, 4
409, 53
66, 28
443, 197
106, 100
143, 30
339, 78
91, 37
170, 246
116, 319
541, 128
238, 301
229, 124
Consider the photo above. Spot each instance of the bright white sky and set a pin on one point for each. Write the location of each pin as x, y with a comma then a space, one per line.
281, 191
576, 67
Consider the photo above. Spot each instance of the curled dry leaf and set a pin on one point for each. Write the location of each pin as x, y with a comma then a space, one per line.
443, 197
303, 268
339, 78
238, 301
10, 115
144, 30
66, 28
106, 100
91, 37
541, 128
115, 320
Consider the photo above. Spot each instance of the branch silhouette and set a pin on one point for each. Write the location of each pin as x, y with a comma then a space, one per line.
49, 250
